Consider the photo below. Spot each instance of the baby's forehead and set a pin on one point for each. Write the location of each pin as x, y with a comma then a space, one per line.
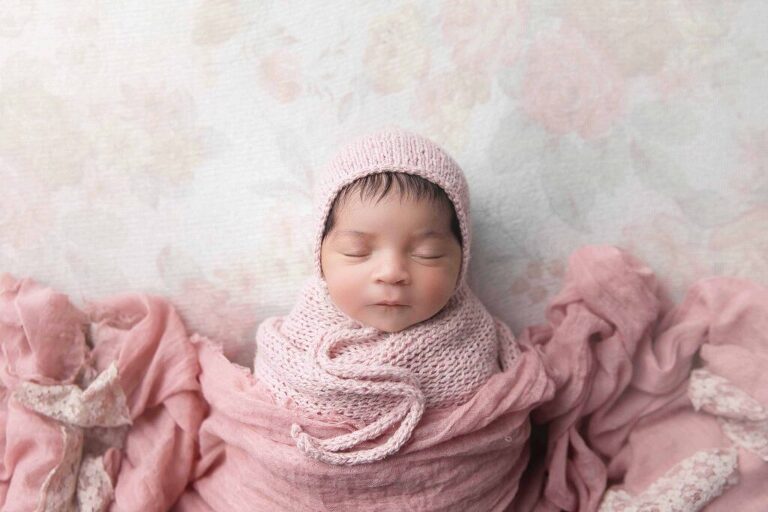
423, 217
391, 198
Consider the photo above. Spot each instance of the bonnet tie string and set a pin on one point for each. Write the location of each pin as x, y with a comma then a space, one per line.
355, 378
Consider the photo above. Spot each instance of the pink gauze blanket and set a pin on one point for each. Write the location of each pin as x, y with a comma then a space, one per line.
117, 407
667, 404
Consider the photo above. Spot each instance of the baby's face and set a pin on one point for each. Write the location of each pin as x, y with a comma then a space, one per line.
390, 261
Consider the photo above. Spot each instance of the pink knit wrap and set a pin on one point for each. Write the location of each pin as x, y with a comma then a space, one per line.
326, 363
329, 365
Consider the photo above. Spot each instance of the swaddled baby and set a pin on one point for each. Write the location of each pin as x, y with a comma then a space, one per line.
387, 326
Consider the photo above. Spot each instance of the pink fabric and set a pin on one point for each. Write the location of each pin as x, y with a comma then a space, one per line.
322, 362
625, 409
468, 457
660, 406
46, 340
722, 405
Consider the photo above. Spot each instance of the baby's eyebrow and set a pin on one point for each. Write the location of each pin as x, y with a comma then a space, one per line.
428, 233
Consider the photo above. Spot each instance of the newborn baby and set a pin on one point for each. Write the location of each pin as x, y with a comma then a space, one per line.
391, 250
387, 326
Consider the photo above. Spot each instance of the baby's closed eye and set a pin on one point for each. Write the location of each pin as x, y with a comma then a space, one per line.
423, 256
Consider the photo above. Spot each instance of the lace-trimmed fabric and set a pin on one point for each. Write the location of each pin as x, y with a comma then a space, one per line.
93, 421
743, 420
686, 487
702, 477
61, 483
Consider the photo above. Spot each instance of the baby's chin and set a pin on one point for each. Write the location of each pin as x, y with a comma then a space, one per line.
390, 319
387, 325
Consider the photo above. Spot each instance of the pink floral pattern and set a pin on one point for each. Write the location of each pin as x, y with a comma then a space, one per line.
60, 484
94, 487
101, 404
484, 35
571, 85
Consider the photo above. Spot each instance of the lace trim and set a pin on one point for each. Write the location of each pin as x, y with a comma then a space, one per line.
742, 418
94, 486
93, 421
59, 486
686, 487
102, 404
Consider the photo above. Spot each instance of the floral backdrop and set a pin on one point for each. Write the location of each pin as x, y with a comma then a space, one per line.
170, 147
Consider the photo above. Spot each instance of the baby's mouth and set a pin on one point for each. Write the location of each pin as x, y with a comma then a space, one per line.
389, 308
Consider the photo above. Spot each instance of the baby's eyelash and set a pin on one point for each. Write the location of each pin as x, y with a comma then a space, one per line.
423, 257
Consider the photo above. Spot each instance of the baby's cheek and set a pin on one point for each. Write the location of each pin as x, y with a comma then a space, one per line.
437, 285
344, 289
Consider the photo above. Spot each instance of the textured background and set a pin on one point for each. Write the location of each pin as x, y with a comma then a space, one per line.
170, 146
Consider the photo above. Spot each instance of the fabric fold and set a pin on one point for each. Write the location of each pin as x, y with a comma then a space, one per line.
99, 409
458, 458
644, 392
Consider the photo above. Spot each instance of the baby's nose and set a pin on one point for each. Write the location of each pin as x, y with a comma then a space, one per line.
392, 269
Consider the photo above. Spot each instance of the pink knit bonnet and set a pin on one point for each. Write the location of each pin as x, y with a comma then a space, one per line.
393, 149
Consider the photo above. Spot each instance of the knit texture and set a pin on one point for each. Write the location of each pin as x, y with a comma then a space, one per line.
322, 362
329, 365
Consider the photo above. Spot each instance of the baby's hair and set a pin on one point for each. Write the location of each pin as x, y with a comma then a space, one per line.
409, 185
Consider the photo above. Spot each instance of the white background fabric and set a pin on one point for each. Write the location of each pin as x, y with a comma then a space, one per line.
170, 147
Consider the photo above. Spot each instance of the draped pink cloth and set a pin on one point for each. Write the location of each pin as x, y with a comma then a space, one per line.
465, 458
635, 403
628, 408
48, 341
